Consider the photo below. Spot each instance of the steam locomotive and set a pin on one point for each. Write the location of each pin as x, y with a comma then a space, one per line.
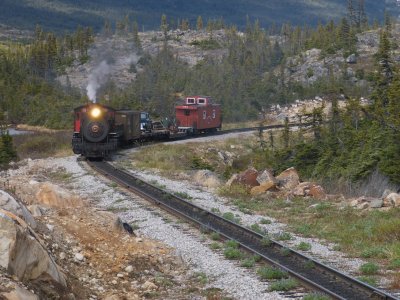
99, 130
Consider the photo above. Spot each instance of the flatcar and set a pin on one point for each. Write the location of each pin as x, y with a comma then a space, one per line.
198, 115
99, 130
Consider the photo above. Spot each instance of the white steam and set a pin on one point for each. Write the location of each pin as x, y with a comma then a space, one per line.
97, 77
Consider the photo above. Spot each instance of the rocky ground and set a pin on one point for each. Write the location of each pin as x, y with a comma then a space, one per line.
70, 243
66, 247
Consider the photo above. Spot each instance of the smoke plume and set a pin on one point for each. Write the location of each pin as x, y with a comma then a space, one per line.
97, 77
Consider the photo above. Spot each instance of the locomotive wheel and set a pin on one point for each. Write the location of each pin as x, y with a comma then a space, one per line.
96, 131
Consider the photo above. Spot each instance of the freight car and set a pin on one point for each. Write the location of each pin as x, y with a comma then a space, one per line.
100, 130
198, 115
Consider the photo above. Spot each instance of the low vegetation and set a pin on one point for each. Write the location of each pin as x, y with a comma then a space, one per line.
283, 285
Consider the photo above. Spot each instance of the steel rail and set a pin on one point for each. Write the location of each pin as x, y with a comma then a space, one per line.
310, 272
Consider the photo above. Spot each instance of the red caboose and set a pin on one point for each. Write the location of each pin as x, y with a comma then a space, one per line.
198, 114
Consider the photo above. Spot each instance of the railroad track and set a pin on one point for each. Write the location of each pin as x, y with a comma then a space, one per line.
310, 272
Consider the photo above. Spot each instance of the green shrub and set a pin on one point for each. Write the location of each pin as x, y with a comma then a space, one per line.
215, 236
265, 221
368, 280
231, 244
271, 273
200, 164
283, 285
303, 246
377, 252
255, 227
233, 253
215, 246
248, 263
283, 236
369, 268
394, 264
231, 217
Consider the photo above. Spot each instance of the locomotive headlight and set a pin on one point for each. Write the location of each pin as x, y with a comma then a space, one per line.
95, 112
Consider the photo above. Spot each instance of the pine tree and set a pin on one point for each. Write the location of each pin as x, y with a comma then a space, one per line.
164, 26
199, 24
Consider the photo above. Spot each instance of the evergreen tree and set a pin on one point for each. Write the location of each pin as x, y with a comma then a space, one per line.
199, 23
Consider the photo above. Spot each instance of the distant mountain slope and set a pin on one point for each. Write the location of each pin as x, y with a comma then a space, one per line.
60, 15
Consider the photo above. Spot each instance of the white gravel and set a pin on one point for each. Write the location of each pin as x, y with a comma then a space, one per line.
235, 281
320, 250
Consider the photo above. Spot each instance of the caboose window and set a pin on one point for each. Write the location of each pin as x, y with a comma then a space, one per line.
202, 101
190, 101
204, 115
187, 112
213, 114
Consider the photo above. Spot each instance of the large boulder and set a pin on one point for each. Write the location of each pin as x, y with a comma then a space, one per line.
317, 192
288, 179
261, 189
206, 178
51, 195
22, 254
248, 177
9, 203
265, 176
19, 294
392, 200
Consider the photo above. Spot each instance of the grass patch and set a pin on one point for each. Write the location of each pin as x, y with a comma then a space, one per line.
266, 241
271, 273
374, 252
303, 246
215, 236
265, 221
248, 262
43, 145
369, 268
394, 264
233, 253
283, 236
231, 244
215, 246
183, 195
283, 285
255, 227
368, 280
231, 217
201, 277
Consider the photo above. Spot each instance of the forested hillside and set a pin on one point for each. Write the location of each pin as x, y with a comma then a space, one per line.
67, 14
254, 73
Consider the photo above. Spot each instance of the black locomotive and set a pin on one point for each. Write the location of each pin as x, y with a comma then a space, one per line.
100, 130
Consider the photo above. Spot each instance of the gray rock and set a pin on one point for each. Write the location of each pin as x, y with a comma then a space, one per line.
79, 257
19, 294
22, 255
351, 59
7, 202
376, 203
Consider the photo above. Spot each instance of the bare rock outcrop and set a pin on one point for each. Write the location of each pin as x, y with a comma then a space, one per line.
22, 254
7, 202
